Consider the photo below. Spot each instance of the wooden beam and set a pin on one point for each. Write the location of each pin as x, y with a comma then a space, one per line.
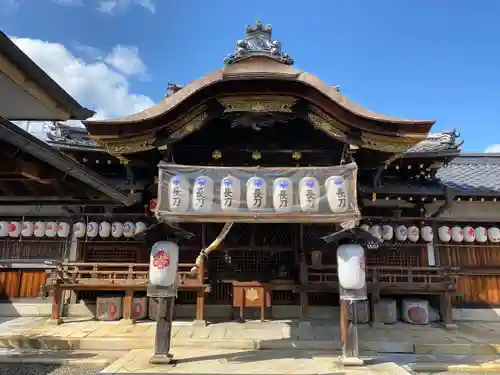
18, 77
15, 170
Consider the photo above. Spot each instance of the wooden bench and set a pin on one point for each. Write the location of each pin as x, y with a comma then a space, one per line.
125, 277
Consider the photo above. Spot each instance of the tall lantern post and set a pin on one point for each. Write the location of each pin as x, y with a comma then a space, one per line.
351, 267
162, 282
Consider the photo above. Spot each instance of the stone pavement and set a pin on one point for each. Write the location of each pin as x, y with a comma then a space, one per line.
231, 361
469, 338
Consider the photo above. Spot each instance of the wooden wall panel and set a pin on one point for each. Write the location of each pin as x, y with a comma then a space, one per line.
9, 283
31, 282
474, 289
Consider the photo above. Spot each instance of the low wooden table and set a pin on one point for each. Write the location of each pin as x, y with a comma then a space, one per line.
251, 294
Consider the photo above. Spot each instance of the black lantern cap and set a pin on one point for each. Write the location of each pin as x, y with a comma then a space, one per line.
162, 231
356, 235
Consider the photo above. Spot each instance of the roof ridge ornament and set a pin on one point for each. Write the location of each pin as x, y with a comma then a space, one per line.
258, 42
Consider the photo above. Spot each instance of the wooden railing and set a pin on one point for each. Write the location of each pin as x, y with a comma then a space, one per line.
112, 275
391, 278
127, 277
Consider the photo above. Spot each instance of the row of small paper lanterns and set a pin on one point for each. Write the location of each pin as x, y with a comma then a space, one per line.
53, 229
445, 233
105, 229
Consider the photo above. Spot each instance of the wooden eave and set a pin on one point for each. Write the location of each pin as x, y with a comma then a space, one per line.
251, 77
16, 65
43, 172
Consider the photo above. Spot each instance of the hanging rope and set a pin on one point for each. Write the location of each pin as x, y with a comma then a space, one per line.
213, 246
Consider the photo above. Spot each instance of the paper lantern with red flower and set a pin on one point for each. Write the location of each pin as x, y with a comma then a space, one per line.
15, 229
469, 234
163, 264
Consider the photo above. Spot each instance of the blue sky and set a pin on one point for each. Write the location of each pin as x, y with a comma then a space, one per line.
425, 59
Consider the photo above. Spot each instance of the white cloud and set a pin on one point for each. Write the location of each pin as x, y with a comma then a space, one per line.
493, 149
69, 2
126, 60
111, 6
94, 84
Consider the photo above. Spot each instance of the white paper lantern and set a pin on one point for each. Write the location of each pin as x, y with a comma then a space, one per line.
79, 229
387, 232
4, 229
309, 194
481, 234
427, 233
230, 193
494, 235
178, 194
256, 194
163, 263
15, 229
365, 227
92, 229
117, 229
444, 233
63, 229
413, 233
140, 226
337, 194
104, 229
469, 234
457, 234
351, 266
51, 229
128, 229
39, 230
203, 194
28, 229
376, 231
283, 194
401, 233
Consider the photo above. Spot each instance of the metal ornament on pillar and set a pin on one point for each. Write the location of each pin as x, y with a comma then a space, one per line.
351, 272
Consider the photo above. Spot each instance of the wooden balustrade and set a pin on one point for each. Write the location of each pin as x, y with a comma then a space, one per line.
126, 277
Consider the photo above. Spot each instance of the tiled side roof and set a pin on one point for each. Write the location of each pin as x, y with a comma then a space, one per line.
437, 142
473, 173
71, 137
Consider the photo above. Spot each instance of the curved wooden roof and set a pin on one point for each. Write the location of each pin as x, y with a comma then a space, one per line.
258, 77
257, 68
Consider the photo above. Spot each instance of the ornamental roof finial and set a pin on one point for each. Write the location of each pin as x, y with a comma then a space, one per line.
258, 42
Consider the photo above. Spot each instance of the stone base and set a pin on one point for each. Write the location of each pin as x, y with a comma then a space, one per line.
199, 323
162, 359
351, 361
450, 326
54, 322
127, 321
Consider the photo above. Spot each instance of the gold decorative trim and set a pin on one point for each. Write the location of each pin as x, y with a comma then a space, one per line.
387, 144
259, 104
189, 124
328, 124
128, 145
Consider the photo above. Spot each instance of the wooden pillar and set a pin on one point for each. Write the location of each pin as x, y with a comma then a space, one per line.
165, 314
445, 309
56, 305
344, 324
127, 306
200, 296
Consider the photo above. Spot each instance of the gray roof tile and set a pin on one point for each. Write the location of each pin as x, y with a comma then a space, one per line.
473, 173
436, 142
